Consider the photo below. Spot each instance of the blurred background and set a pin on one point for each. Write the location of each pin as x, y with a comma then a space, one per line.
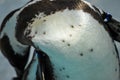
6, 71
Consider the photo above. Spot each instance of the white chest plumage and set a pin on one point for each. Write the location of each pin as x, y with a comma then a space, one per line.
78, 46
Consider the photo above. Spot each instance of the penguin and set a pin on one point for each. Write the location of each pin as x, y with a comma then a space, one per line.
15, 52
75, 39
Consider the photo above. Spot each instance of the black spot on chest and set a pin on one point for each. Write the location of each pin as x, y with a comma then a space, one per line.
72, 26
44, 20
68, 44
44, 33
67, 76
81, 54
62, 69
63, 41
91, 50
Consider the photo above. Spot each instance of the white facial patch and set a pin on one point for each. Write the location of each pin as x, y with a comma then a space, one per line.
9, 30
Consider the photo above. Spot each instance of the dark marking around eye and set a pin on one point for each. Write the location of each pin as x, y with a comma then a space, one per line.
27, 32
30, 37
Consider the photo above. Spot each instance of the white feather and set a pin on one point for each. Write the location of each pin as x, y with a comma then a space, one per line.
87, 33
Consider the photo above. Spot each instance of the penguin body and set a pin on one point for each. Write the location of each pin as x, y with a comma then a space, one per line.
73, 36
